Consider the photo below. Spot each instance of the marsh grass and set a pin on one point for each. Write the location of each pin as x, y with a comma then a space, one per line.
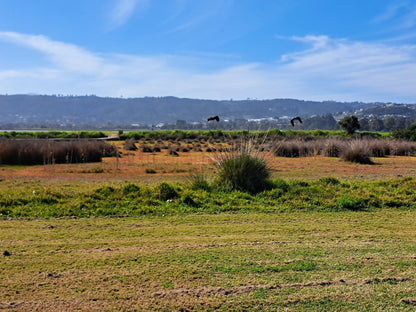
357, 152
43, 152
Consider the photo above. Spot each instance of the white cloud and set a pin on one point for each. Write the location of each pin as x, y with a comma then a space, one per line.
328, 69
123, 10
399, 16
66, 56
365, 69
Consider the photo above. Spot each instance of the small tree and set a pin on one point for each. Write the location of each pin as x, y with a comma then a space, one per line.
350, 124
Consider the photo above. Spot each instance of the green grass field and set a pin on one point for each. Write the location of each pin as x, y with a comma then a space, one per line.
339, 261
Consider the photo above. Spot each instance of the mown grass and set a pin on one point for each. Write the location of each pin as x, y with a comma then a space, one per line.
333, 261
129, 199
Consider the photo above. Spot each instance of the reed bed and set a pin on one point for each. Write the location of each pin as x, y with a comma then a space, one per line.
42, 152
336, 147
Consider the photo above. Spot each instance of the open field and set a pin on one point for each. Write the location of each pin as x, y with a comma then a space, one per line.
351, 261
135, 166
297, 247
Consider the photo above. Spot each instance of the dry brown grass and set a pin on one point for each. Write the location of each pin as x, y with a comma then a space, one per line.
132, 166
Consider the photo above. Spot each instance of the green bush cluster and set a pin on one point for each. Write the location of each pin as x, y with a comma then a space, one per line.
237, 134
325, 194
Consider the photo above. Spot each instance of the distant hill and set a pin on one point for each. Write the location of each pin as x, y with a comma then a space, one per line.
93, 110
385, 110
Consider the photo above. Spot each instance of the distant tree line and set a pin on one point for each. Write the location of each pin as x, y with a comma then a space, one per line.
315, 122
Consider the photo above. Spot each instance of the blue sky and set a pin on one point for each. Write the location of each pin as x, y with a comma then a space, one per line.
344, 50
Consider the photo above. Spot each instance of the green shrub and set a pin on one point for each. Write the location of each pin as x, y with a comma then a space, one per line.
280, 184
409, 133
105, 190
349, 203
189, 201
165, 191
329, 181
131, 188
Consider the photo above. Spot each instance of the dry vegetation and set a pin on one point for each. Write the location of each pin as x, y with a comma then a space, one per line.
182, 256
158, 163
43, 152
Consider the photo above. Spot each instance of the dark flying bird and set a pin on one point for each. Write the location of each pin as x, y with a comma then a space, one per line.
214, 118
292, 121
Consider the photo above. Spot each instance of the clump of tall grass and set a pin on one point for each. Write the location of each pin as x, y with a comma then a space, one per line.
40, 152
305, 148
289, 148
130, 144
243, 168
332, 147
357, 152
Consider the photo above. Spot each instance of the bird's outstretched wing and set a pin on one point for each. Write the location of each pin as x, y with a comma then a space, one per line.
214, 118
292, 121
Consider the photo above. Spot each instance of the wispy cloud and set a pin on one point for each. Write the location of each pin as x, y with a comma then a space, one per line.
327, 69
400, 15
356, 69
190, 14
63, 55
123, 10
391, 12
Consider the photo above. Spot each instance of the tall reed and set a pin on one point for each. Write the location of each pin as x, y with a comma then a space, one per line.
40, 152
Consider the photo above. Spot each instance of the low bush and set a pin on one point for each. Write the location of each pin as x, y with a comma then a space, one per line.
166, 191
188, 200
348, 203
280, 184
131, 188
329, 181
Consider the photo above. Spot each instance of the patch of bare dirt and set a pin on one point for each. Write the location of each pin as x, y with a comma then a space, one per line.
221, 291
411, 301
